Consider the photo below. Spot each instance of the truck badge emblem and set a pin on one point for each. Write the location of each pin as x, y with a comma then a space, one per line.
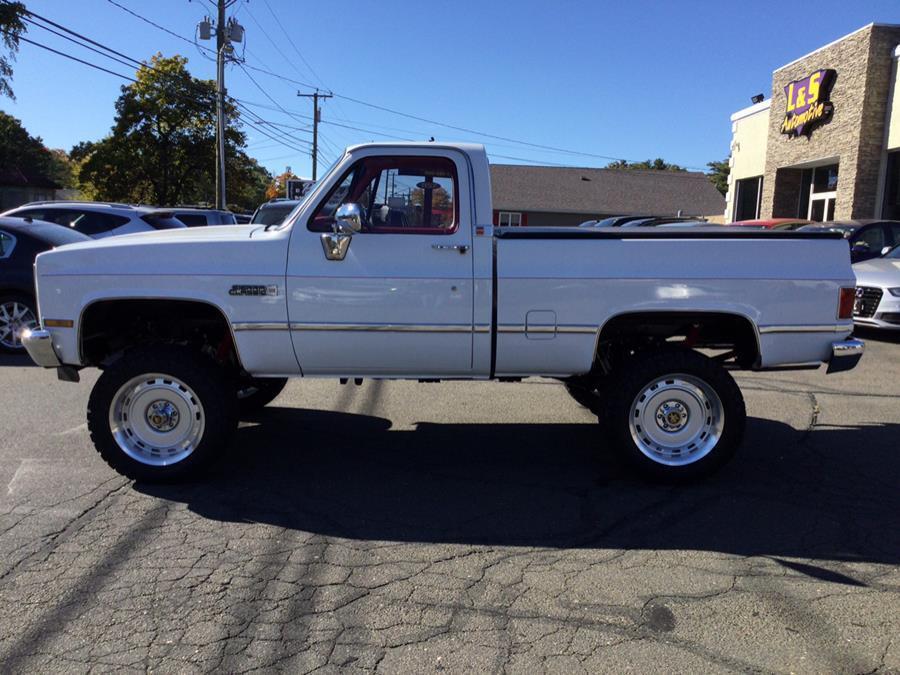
239, 289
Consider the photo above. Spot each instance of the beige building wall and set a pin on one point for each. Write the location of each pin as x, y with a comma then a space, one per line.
749, 129
893, 135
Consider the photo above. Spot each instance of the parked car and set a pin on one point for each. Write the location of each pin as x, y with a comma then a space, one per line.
274, 212
659, 221
20, 242
867, 238
878, 291
772, 223
198, 217
243, 218
99, 219
391, 269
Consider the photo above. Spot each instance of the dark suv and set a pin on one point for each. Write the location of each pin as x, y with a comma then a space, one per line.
867, 238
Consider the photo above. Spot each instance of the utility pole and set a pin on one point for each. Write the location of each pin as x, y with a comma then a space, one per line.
317, 114
226, 32
221, 43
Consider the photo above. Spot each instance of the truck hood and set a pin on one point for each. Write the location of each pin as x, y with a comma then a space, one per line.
188, 251
878, 272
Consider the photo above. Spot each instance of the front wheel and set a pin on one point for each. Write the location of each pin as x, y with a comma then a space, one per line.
676, 415
161, 412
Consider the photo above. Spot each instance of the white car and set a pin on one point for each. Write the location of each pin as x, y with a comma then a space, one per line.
878, 292
390, 268
100, 219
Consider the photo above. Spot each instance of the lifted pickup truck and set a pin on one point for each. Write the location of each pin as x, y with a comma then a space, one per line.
391, 268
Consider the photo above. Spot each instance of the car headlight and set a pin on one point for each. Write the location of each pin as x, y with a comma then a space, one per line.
895, 291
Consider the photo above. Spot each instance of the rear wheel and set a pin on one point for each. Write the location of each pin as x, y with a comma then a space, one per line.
161, 412
17, 314
676, 414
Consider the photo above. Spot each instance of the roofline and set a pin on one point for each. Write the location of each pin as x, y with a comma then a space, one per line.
834, 42
649, 172
600, 214
751, 110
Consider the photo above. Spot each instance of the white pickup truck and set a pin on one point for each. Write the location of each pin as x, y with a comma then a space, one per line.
391, 268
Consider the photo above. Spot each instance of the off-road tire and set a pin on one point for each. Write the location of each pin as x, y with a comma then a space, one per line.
205, 379
631, 380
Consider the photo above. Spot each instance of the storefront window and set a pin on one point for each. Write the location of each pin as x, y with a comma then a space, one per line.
892, 187
746, 205
825, 178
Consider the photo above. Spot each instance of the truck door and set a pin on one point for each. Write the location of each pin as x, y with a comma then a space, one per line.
395, 297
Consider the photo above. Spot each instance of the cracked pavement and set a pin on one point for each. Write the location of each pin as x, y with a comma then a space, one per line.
458, 527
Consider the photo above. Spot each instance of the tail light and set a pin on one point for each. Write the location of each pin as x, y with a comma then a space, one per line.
845, 304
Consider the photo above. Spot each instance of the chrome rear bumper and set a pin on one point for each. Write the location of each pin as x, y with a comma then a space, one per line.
845, 355
39, 345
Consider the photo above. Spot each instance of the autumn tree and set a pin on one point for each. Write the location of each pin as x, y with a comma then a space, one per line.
278, 186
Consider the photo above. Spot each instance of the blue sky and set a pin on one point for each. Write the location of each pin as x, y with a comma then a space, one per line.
631, 80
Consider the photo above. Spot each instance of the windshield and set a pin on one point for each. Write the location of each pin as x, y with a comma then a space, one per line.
894, 253
272, 215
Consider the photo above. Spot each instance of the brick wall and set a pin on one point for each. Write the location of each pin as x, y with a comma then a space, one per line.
855, 134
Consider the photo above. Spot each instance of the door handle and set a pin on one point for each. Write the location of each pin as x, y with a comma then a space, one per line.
462, 248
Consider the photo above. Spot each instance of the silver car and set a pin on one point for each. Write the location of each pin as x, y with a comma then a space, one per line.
99, 219
878, 292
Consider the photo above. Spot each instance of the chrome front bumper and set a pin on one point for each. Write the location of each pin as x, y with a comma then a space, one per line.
845, 355
39, 345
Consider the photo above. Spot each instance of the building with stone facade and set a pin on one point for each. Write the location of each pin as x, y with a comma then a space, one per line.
826, 144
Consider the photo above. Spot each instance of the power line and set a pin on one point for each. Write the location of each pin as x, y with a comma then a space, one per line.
264, 92
162, 28
75, 58
249, 122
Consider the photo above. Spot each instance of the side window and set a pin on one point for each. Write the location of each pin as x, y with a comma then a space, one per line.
895, 232
406, 195
873, 237
92, 223
7, 244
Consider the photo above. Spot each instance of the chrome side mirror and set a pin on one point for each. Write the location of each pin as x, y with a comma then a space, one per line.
348, 219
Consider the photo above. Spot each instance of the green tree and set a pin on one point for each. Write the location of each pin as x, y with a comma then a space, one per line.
161, 149
20, 152
657, 164
11, 28
718, 174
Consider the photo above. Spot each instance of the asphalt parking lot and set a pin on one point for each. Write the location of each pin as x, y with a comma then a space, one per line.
458, 527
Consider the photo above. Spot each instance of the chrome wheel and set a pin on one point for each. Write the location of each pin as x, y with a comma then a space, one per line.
676, 419
156, 419
15, 318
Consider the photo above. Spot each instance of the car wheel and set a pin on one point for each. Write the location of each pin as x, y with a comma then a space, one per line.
17, 313
255, 393
161, 412
676, 415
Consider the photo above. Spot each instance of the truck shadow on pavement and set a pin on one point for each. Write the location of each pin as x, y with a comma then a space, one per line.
829, 493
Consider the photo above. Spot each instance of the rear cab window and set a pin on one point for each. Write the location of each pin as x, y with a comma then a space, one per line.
398, 195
